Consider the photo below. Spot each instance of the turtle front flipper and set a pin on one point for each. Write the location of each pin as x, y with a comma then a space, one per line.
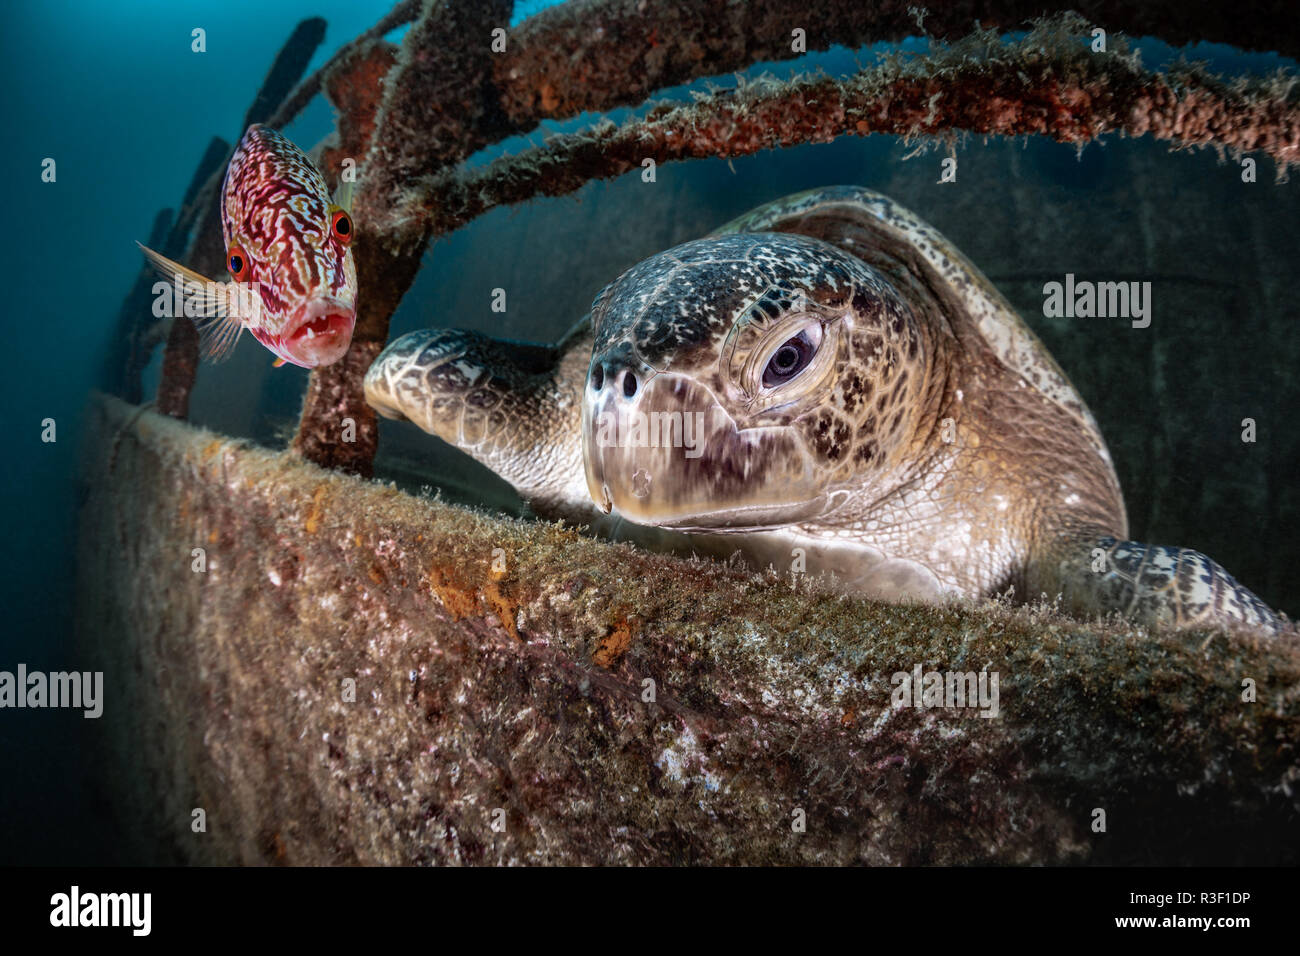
513, 406
1154, 584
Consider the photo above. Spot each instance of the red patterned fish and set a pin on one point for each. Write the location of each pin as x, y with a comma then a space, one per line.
287, 249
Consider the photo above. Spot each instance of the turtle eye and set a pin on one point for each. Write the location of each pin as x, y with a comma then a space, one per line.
790, 358
237, 263
341, 226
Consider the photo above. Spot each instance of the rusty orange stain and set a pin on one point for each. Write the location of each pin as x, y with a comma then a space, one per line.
462, 602
504, 607
550, 102
614, 646
313, 519
458, 602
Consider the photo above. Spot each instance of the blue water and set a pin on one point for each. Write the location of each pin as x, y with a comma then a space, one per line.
113, 93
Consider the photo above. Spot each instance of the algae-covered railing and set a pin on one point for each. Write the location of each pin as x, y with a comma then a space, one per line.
460, 81
333, 671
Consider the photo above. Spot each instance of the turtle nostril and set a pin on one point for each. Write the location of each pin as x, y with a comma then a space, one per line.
629, 384
598, 378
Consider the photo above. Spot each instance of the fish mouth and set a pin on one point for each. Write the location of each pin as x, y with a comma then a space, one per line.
319, 333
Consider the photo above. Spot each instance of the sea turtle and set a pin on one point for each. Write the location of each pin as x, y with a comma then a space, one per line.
823, 384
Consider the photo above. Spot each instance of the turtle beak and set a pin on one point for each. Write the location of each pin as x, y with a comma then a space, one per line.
594, 467
598, 407
663, 451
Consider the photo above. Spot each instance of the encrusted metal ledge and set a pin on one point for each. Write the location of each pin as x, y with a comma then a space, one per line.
502, 708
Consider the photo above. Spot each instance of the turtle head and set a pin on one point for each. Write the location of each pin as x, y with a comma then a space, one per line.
748, 381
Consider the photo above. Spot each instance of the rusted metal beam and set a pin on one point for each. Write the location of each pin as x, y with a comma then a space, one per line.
1044, 85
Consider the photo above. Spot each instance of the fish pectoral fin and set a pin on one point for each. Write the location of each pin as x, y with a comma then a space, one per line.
206, 302
343, 195
218, 336
170, 269
278, 362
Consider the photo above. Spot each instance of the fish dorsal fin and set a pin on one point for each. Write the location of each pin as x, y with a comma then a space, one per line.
206, 302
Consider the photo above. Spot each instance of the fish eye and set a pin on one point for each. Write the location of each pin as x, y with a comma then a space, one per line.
341, 226
237, 263
790, 358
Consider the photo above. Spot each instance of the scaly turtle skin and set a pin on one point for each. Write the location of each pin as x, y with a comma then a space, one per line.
824, 384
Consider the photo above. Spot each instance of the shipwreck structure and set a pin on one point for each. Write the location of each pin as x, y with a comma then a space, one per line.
317, 667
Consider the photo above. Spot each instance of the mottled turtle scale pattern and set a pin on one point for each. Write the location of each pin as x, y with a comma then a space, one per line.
930, 448
648, 319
